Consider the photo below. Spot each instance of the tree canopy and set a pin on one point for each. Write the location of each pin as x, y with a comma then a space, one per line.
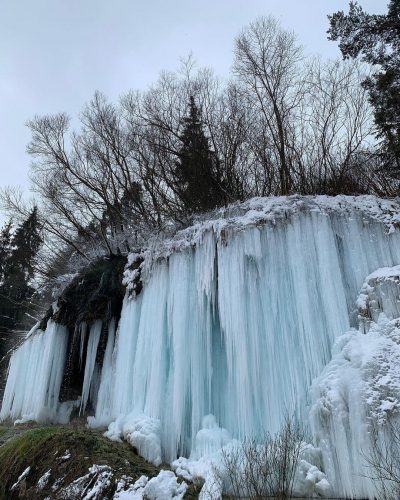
376, 39
17, 265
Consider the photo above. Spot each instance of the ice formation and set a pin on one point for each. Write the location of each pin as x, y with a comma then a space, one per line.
358, 392
209, 462
164, 486
238, 315
35, 376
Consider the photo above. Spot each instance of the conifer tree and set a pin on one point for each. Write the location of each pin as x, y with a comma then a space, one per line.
376, 38
199, 181
5, 252
18, 270
5, 248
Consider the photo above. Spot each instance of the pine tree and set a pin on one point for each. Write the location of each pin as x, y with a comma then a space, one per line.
5, 248
377, 39
199, 181
18, 270
5, 252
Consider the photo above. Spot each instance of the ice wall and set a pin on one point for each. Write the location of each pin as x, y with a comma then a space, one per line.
240, 325
236, 318
356, 399
35, 376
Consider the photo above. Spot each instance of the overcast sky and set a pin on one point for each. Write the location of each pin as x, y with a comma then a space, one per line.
55, 53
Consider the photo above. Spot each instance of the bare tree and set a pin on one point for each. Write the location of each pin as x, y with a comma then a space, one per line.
311, 123
280, 125
87, 181
336, 125
266, 62
383, 459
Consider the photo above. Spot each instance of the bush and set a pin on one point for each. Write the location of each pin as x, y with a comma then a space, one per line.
262, 469
383, 460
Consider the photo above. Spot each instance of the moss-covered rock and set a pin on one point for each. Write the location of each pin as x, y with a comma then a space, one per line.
96, 293
68, 453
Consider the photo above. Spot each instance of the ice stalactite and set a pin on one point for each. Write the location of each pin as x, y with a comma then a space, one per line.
90, 365
35, 376
82, 332
104, 393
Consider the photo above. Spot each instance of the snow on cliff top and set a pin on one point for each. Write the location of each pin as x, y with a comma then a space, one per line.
258, 211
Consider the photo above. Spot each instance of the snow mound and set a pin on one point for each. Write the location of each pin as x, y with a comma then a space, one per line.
140, 431
165, 486
209, 464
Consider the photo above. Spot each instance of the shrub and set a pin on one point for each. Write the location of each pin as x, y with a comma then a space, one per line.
258, 469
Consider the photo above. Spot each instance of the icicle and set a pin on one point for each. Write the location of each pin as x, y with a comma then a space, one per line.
35, 375
237, 326
104, 396
82, 331
240, 326
93, 342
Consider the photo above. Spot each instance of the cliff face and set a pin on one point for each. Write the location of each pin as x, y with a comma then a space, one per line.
237, 317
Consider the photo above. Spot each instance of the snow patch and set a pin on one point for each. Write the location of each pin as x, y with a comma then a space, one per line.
91, 486
261, 211
141, 432
164, 486
21, 478
44, 480
65, 457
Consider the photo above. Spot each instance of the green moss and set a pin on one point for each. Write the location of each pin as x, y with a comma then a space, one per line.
42, 448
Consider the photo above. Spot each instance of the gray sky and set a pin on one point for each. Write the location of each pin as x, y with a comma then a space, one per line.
55, 53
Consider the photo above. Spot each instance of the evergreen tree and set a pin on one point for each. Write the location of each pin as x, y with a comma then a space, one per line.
377, 39
197, 172
5, 248
18, 270
5, 252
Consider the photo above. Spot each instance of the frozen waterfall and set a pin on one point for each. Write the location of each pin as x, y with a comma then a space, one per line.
237, 321
35, 376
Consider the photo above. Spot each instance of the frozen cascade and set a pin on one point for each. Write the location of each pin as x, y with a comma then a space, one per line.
240, 326
35, 376
358, 392
90, 368
236, 320
82, 332
104, 394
